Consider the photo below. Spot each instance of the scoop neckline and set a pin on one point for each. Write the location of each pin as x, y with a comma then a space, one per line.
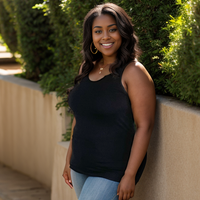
98, 79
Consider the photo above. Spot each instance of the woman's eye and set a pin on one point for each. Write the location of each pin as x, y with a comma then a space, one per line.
98, 31
113, 30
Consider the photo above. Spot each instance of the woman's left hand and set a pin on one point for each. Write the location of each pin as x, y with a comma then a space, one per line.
126, 187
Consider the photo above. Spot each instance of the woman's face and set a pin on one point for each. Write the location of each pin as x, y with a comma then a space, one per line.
105, 35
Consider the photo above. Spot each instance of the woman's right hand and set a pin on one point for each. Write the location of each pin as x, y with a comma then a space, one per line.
67, 175
67, 170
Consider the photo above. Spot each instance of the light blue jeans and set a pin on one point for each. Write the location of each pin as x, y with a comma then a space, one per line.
93, 188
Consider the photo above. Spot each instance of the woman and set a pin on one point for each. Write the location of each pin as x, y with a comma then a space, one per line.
106, 156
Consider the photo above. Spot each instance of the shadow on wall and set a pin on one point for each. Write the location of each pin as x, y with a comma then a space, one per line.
146, 189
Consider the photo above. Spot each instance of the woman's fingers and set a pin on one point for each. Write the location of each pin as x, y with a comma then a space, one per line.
120, 193
124, 195
70, 180
68, 183
67, 177
120, 196
118, 188
132, 194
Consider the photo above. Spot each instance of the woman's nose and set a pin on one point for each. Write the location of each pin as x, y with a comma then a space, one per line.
106, 36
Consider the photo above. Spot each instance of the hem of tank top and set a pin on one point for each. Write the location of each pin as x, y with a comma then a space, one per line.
98, 174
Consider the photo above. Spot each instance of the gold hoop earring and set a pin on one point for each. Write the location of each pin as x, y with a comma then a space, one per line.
94, 48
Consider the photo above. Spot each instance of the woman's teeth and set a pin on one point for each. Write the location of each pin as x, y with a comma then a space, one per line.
107, 44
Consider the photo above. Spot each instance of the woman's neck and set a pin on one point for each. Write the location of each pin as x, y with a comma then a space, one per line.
107, 60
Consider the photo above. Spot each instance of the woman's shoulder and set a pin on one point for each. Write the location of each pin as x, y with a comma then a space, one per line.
135, 71
134, 66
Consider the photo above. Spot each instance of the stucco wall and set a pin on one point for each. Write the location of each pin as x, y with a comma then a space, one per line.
30, 127
173, 167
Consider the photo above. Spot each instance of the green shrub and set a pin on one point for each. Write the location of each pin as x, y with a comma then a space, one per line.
35, 38
58, 78
182, 58
7, 30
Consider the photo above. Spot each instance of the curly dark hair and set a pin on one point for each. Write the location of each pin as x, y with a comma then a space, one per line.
128, 50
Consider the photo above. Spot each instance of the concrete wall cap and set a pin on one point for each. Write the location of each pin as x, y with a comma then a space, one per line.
177, 104
21, 82
64, 144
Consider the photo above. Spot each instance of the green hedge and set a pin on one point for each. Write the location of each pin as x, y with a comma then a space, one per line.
58, 76
34, 36
182, 58
7, 30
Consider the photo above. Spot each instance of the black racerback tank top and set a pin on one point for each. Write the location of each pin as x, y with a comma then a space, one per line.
104, 130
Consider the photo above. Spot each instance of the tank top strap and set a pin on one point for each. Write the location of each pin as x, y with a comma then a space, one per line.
120, 70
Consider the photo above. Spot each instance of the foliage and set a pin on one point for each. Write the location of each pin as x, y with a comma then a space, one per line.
7, 30
67, 135
34, 35
182, 58
1, 40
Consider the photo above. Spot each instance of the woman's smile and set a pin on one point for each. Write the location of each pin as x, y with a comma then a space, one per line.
107, 45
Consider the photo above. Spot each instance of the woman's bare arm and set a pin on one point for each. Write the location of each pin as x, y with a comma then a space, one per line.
141, 92
67, 170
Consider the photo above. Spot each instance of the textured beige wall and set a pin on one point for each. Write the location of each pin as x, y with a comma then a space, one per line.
60, 190
173, 166
30, 127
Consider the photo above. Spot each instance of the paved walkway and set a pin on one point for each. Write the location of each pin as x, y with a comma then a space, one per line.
7, 65
17, 186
